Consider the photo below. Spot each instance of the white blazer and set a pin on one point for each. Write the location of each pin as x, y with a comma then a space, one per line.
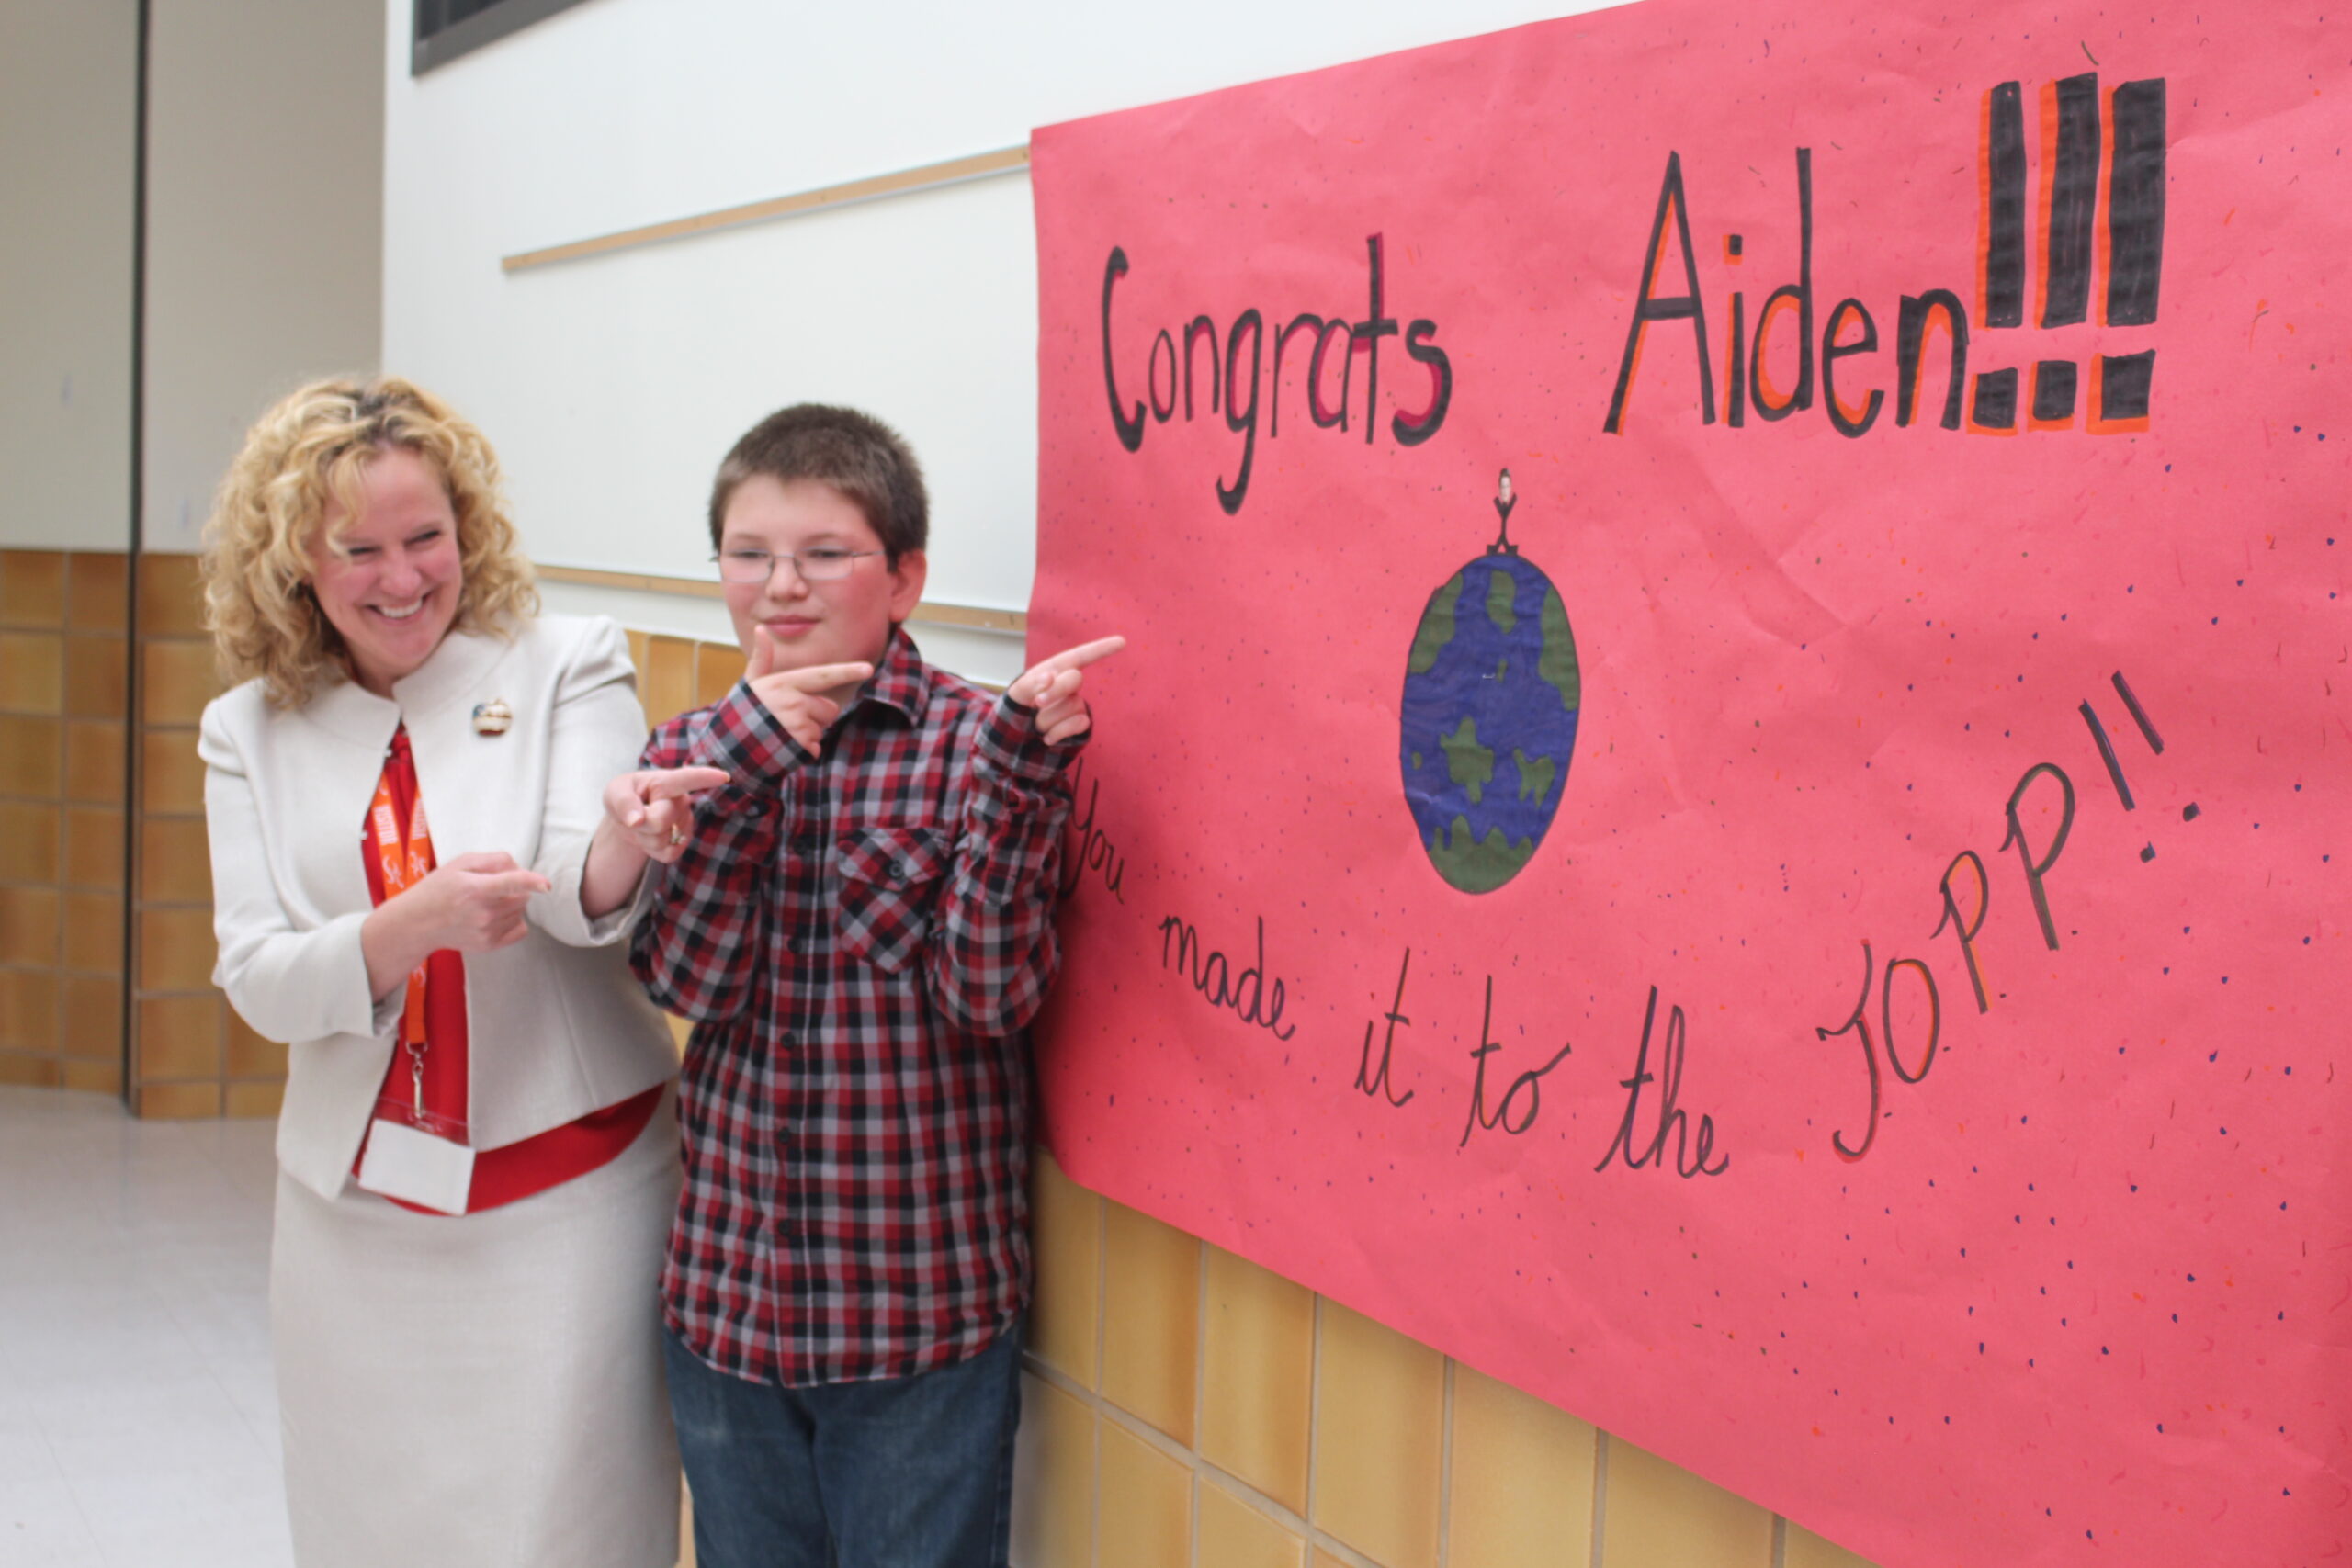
558, 1025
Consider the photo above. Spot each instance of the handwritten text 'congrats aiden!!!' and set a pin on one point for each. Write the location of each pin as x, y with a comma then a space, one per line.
2099, 213
1329, 345
2094, 154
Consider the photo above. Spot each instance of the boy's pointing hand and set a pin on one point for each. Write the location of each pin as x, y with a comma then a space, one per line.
797, 699
1051, 687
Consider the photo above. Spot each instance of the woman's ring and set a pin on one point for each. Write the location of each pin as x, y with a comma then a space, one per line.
677, 836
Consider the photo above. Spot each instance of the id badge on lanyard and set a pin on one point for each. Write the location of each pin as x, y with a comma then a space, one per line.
426, 1159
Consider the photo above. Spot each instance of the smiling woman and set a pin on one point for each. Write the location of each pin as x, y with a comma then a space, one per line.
285, 513
478, 1157
386, 572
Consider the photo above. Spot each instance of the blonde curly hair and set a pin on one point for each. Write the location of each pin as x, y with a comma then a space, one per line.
313, 448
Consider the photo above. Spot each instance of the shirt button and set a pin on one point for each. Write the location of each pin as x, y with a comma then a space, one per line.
756, 808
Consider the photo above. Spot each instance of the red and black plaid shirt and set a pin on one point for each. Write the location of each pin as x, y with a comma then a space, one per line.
862, 939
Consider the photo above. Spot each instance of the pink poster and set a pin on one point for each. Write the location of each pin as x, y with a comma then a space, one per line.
1728, 797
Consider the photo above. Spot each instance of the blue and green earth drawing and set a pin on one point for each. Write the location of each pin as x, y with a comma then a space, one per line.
1491, 696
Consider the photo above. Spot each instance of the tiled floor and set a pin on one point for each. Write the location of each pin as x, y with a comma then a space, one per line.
137, 1417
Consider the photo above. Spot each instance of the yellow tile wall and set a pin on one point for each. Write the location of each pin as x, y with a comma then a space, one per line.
1324, 1439
64, 698
93, 1010
93, 751
666, 679
1065, 1315
718, 666
1146, 1513
91, 1022
1151, 1288
32, 670
1233, 1534
30, 750
1052, 1479
189, 1057
1507, 1504
1377, 1470
33, 587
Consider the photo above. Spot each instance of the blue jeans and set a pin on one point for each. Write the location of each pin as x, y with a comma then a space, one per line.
903, 1472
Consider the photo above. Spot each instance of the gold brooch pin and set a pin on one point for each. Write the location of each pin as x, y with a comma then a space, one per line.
493, 717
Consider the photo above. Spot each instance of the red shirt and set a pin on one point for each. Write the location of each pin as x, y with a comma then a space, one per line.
861, 939
518, 1170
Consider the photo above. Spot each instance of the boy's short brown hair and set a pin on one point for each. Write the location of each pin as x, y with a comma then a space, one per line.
853, 452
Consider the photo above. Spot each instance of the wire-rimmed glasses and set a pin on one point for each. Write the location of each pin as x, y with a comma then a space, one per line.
819, 563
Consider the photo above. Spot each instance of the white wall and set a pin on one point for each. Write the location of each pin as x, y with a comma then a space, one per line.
264, 237
612, 386
69, 71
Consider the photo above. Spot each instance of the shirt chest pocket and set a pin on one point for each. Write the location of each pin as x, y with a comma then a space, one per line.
890, 883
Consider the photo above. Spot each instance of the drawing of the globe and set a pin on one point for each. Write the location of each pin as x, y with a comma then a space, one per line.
1491, 696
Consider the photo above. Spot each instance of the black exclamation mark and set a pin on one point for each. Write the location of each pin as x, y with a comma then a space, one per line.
2107, 750
2000, 292
2135, 248
2000, 278
2070, 160
2070, 197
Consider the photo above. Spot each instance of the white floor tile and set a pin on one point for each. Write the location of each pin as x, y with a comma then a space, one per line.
42, 1522
240, 1546
71, 1546
137, 1410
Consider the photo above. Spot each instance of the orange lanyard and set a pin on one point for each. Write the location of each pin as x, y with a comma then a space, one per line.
405, 861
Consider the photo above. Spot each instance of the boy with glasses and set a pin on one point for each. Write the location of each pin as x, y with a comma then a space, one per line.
860, 923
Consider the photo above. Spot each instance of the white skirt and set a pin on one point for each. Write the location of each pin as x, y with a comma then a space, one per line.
481, 1392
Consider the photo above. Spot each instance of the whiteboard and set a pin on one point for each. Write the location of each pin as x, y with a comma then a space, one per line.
612, 385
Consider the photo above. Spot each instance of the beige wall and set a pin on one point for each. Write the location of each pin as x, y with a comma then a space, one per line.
265, 241
265, 225
68, 97
264, 265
